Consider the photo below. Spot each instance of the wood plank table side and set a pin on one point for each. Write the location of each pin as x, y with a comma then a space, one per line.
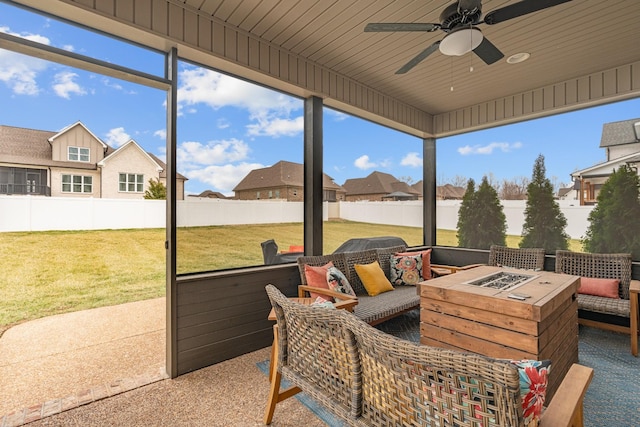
465, 317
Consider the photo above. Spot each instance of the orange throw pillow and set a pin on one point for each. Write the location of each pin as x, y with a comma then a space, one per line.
600, 287
317, 277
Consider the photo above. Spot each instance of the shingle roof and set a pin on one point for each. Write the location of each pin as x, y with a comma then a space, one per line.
618, 133
163, 165
377, 183
210, 194
280, 174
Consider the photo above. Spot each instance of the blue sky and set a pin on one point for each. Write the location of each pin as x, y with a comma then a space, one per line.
227, 127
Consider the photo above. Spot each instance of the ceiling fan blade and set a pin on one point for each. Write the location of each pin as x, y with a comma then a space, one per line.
521, 8
400, 26
418, 58
488, 52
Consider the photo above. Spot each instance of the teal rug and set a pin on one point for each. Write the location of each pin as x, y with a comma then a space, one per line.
613, 398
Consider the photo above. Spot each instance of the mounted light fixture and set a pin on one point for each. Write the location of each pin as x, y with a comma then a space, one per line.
461, 41
518, 57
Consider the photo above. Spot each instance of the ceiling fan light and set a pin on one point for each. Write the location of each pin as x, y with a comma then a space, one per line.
461, 41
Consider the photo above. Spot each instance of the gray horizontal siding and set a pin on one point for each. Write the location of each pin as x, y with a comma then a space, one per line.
611, 85
223, 315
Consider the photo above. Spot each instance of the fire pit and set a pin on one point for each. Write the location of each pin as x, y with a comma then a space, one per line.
502, 280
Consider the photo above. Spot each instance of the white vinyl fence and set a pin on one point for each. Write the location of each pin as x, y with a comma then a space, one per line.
29, 213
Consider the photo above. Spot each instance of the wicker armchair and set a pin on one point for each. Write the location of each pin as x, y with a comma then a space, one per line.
601, 312
526, 258
369, 378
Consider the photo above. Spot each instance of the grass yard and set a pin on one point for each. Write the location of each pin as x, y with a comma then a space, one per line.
46, 273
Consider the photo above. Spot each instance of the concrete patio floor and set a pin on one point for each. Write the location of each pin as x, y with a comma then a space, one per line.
105, 366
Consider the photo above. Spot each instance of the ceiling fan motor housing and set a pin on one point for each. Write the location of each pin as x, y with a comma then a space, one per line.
453, 16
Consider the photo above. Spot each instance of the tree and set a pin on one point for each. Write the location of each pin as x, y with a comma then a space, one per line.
613, 223
156, 190
544, 223
465, 220
481, 220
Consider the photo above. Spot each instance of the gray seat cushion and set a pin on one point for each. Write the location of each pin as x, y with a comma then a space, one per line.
617, 307
387, 304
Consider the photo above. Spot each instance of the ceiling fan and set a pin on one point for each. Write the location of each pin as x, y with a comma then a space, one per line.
459, 21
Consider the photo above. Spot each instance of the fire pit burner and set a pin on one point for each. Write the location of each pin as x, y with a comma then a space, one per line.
502, 280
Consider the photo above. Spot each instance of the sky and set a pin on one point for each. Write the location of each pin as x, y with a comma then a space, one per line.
228, 127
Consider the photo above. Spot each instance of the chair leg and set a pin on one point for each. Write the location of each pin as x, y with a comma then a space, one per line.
274, 378
633, 323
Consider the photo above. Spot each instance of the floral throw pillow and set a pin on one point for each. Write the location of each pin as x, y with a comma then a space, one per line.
337, 281
534, 377
406, 269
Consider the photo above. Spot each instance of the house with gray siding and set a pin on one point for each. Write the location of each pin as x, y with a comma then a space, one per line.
74, 162
621, 142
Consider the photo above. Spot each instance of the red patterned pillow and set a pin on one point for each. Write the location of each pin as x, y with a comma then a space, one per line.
317, 277
426, 262
600, 287
534, 377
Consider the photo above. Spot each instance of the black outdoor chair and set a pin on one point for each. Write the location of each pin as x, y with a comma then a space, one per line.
272, 256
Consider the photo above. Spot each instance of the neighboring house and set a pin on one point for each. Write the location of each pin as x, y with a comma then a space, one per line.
379, 186
284, 180
443, 192
75, 163
621, 141
210, 194
569, 193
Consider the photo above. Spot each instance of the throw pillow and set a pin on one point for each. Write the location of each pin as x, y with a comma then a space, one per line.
600, 287
337, 281
406, 269
426, 262
317, 277
534, 377
373, 278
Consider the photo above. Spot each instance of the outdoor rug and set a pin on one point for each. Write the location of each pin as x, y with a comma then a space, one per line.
613, 398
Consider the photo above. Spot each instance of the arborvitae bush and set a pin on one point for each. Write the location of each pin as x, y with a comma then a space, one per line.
156, 191
481, 220
614, 224
544, 223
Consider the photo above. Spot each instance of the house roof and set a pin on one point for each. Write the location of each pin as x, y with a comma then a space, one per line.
31, 147
377, 183
163, 165
450, 191
606, 168
281, 174
619, 133
565, 191
210, 194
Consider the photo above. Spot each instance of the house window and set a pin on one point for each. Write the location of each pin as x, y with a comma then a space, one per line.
258, 195
131, 183
270, 194
78, 154
77, 184
277, 194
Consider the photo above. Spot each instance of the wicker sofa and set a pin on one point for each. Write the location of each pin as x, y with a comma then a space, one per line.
369, 378
372, 310
621, 314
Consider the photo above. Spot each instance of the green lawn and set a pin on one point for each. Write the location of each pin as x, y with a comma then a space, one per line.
46, 273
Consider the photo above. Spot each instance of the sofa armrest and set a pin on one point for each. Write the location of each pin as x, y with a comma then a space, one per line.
634, 287
304, 290
567, 406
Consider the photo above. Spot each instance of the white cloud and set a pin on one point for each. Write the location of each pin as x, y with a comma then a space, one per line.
489, 148
18, 71
68, 48
223, 123
412, 159
213, 153
117, 137
269, 109
65, 85
223, 178
363, 162
161, 133
276, 127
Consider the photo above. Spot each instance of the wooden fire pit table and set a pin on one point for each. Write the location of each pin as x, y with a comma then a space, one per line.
482, 318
